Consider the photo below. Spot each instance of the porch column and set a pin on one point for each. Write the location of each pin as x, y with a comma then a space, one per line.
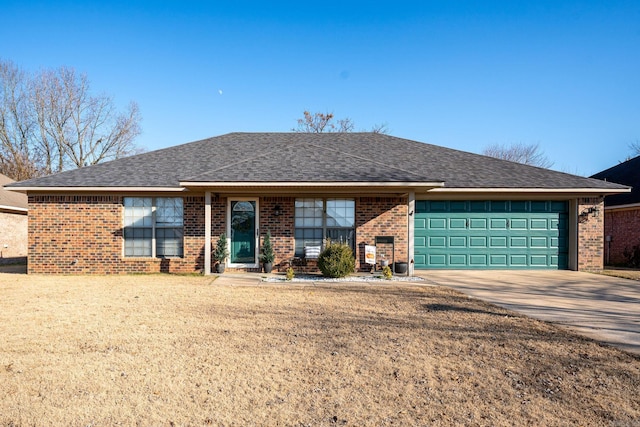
207, 233
573, 235
411, 213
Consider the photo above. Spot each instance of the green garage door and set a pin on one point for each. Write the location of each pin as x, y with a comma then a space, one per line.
491, 234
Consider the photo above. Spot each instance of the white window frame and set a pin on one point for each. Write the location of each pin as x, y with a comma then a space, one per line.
324, 226
153, 229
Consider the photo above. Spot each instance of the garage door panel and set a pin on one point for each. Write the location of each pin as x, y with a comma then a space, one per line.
518, 224
498, 260
437, 260
491, 234
539, 224
458, 242
539, 242
458, 223
478, 223
437, 242
500, 206
518, 242
478, 260
498, 241
538, 260
538, 206
518, 260
498, 223
458, 206
478, 242
437, 223
458, 260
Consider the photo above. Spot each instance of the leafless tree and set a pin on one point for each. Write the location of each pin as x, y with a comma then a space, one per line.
635, 149
18, 157
324, 122
528, 154
380, 128
51, 122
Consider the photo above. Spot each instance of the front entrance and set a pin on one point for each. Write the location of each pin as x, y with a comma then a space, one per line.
243, 233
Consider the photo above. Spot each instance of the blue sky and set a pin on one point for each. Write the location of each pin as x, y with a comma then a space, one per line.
462, 74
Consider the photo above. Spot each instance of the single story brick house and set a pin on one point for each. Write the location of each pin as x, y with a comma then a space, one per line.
622, 213
446, 209
13, 224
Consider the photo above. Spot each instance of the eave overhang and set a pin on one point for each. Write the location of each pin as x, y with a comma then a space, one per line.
582, 191
97, 189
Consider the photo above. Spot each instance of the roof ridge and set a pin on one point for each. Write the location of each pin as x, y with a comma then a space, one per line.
368, 159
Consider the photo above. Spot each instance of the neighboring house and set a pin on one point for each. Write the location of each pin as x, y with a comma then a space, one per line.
164, 210
13, 224
622, 214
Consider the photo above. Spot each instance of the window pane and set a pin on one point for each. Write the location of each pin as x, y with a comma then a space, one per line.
138, 220
340, 213
169, 211
137, 241
169, 242
139, 226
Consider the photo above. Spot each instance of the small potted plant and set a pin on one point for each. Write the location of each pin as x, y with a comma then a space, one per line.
267, 256
220, 253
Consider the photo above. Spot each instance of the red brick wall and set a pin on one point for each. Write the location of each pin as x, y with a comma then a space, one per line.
624, 228
381, 216
83, 234
280, 226
590, 235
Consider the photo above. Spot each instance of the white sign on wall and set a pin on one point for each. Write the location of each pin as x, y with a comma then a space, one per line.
370, 254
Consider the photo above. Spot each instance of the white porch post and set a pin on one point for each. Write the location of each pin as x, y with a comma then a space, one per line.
207, 233
411, 213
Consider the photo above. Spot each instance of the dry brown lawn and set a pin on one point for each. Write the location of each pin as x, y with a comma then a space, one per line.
178, 350
625, 273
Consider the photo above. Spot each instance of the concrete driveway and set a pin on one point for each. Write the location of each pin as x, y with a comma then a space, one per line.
601, 307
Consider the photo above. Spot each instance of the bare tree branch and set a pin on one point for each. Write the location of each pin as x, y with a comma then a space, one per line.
324, 122
528, 154
53, 122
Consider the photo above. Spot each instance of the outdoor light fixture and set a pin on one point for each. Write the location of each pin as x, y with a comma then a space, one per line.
593, 210
277, 210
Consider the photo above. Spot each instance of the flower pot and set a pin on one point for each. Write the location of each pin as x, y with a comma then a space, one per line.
220, 268
384, 263
268, 266
401, 268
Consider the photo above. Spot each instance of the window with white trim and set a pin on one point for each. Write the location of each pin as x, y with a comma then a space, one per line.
318, 219
153, 227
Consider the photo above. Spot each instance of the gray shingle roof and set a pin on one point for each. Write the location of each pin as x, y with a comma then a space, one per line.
302, 157
627, 173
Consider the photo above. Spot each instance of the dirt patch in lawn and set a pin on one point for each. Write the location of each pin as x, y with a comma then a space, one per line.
171, 350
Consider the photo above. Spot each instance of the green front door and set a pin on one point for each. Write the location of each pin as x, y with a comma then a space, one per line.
491, 234
243, 231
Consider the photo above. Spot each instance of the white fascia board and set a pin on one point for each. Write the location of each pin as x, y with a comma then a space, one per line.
312, 184
98, 189
602, 191
13, 208
627, 206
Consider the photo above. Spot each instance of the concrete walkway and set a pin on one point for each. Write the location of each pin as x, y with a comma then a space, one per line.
601, 307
